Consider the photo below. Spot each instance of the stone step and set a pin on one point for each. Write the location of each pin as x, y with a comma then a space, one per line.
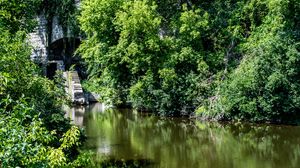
77, 94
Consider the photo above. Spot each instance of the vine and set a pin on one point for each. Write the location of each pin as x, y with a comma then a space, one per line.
65, 10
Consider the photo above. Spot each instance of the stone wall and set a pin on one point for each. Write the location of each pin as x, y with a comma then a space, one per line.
57, 30
39, 37
39, 40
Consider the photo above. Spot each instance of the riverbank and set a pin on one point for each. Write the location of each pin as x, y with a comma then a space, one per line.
237, 59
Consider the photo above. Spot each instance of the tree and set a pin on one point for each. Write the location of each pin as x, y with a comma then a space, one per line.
265, 86
33, 129
229, 59
18, 15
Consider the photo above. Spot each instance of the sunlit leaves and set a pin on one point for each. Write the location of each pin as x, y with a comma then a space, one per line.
193, 23
265, 86
172, 61
18, 15
31, 119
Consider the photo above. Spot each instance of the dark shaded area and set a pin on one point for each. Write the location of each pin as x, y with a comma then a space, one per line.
133, 163
63, 49
51, 68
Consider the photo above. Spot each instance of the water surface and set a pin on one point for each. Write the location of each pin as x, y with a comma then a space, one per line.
123, 134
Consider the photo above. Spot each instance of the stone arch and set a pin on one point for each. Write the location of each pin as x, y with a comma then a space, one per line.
64, 50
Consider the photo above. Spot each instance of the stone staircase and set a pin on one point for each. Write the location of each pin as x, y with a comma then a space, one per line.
74, 88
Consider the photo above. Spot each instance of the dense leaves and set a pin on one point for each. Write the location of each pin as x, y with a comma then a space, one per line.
265, 86
227, 59
16, 15
33, 129
66, 12
133, 60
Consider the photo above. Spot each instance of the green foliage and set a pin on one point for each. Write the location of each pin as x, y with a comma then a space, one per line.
22, 78
22, 137
18, 15
131, 62
265, 86
33, 126
231, 59
66, 12
25, 141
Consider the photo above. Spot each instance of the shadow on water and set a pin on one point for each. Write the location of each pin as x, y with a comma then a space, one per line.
130, 138
137, 163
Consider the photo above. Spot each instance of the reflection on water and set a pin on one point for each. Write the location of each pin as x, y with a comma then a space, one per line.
183, 143
77, 114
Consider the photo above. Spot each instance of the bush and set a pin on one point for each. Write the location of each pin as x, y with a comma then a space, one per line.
265, 86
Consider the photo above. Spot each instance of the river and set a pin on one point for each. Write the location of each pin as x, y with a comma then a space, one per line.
123, 134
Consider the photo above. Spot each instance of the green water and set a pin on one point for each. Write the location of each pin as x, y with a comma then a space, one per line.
183, 143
